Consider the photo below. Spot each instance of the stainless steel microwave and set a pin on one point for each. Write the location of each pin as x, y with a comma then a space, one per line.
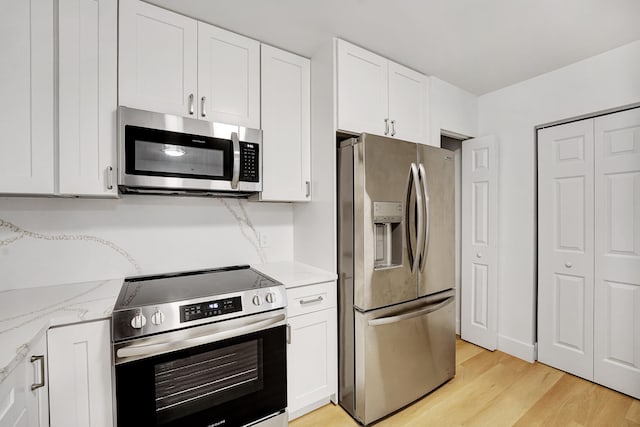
165, 154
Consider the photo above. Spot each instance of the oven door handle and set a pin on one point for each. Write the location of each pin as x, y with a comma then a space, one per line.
146, 350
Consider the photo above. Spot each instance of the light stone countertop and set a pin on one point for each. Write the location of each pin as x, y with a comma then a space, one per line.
26, 314
293, 274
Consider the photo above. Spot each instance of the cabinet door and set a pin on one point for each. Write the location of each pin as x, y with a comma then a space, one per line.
26, 96
565, 247
88, 96
362, 90
286, 114
408, 113
228, 77
311, 359
20, 405
158, 59
617, 252
80, 375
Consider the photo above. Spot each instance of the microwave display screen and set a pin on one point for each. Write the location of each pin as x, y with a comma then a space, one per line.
178, 159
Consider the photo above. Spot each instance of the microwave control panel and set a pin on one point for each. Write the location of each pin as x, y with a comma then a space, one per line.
214, 308
249, 162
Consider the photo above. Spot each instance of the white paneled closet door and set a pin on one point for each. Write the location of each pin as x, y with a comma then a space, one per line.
565, 247
479, 265
617, 257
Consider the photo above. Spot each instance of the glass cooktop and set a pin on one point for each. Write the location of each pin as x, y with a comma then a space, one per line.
159, 289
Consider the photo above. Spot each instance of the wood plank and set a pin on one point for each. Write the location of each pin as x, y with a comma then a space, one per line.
496, 389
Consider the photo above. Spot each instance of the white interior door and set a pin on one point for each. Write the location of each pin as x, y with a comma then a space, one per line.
479, 307
565, 247
617, 254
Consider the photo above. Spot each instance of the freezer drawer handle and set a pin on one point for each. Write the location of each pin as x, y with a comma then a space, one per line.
311, 301
399, 318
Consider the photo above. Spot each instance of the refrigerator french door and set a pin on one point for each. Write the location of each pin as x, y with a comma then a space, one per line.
396, 265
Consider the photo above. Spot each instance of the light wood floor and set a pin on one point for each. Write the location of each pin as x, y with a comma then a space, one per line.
495, 389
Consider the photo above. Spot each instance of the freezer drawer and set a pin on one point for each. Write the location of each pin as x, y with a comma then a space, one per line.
402, 353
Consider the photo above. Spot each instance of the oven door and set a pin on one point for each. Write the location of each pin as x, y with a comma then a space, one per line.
232, 381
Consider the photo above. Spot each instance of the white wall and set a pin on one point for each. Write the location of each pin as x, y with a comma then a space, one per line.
50, 241
453, 111
605, 81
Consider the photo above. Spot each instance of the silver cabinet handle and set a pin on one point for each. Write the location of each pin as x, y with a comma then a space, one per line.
203, 112
109, 177
427, 227
191, 104
406, 316
311, 301
308, 184
386, 126
288, 333
393, 128
34, 359
236, 160
568, 264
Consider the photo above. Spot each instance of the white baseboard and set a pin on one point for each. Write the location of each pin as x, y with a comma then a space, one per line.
519, 349
457, 326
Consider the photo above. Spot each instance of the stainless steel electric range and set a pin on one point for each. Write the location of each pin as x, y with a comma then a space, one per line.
202, 348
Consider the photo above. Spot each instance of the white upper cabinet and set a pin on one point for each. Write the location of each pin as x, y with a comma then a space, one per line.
87, 99
286, 115
378, 96
176, 65
408, 113
158, 59
26, 97
228, 77
362, 90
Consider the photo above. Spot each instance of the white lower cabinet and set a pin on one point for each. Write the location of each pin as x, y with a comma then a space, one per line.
312, 348
23, 395
80, 391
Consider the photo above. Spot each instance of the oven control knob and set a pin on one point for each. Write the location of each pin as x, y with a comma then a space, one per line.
256, 300
157, 318
271, 297
138, 321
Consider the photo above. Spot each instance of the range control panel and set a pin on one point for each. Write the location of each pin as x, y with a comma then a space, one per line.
249, 164
213, 308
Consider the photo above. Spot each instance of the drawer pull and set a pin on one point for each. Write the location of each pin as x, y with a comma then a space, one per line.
36, 386
311, 301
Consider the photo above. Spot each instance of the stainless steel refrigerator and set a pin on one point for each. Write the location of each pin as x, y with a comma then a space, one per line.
396, 265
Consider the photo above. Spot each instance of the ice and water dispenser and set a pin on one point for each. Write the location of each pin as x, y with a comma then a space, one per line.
387, 221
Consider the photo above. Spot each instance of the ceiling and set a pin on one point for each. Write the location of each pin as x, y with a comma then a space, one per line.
477, 45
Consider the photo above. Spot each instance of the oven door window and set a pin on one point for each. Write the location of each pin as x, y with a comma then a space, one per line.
169, 154
232, 382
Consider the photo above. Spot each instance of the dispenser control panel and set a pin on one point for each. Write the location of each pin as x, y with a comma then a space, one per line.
387, 212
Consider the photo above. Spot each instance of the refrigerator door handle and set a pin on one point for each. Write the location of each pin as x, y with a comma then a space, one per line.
405, 316
422, 257
420, 219
410, 235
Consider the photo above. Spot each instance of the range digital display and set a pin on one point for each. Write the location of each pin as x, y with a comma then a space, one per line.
213, 308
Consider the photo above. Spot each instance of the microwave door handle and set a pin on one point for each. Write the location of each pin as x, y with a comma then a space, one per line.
147, 350
406, 316
236, 160
427, 226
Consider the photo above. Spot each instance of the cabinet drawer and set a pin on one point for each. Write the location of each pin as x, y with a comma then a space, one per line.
307, 299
